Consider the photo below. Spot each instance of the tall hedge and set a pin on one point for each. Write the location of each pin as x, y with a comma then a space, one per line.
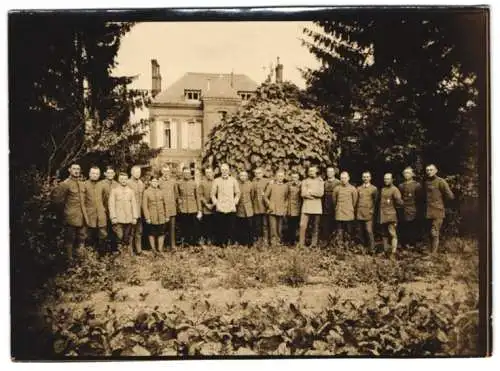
273, 130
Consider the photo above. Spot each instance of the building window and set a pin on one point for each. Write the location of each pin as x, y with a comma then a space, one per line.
245, 95
194, 134
168, 136
192, 94
222, 115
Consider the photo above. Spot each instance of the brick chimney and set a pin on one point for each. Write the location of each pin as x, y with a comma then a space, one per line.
279, 71
155, 78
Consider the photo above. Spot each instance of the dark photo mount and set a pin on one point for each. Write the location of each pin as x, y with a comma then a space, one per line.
394, 87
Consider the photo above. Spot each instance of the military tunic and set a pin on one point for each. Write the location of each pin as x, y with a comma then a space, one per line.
436, 191
204, 190
188, 200
244, 208
330, 185
154, 206
294, 199
94, 205
276, 197
390, 198
367, 199
411, 194
70, 195
170, 193
259, 185
345, 198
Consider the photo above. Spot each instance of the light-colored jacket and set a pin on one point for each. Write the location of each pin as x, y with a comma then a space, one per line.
225, 194
123, 205
345, 198
314, 188
138, 187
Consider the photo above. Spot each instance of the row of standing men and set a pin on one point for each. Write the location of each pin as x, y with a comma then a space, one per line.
228, 210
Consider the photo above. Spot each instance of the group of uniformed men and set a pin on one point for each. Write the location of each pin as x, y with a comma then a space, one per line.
228, 210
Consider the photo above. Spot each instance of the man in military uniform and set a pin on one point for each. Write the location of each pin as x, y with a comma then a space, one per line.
312, 190
260, 219
225, 196
189, 206
293, 208
411, 192
365, 210
106, 185
70, 197
276, 199
437, 191
207, 207
345, 198
390, 198
136, 184
328, 218
124, 213
168, 186
96, 211
244, 210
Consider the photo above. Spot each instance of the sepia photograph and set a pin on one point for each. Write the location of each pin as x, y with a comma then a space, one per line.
249, 183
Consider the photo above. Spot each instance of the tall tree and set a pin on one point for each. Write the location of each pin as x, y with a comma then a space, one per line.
400, 87
65, 103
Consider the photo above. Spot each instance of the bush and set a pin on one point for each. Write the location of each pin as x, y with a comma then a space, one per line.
272, 131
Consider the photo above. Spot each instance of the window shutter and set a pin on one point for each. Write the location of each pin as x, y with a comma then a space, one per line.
173, 134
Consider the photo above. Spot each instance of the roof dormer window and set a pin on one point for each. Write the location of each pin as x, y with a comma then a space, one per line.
192, 95
245, 95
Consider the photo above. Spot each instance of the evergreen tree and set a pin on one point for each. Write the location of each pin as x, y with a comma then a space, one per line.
401, 88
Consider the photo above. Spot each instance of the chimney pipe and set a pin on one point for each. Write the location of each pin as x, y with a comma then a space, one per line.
155, 78
232, 78
279, 71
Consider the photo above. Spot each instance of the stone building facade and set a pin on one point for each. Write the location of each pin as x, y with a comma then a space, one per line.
182, 115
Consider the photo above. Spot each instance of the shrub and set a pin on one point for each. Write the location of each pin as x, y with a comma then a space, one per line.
272, 131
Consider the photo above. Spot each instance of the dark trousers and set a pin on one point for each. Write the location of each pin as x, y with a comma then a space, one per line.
111, 242
225, 228
189, 229
327, 227
344, 228
409, 231
208, 228
170, 232
122, 233
136, 235
292, 227
73, 237
96, 238
261, 228
244, 231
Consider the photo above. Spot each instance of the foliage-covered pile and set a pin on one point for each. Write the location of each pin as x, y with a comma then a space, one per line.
394, 324
273, 131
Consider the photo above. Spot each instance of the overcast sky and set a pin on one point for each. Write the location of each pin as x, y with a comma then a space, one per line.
217, 47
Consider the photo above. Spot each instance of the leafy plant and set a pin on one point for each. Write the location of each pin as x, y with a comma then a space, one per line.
272, 131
